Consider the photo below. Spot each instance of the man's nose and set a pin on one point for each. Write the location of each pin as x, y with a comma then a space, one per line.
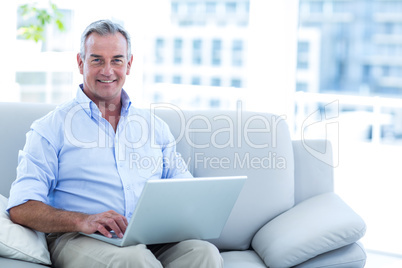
107, 69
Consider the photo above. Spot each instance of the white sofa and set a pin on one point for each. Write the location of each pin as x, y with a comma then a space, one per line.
287, 214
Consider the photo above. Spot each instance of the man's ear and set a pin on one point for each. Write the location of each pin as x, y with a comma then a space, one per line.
129, 65
80, 63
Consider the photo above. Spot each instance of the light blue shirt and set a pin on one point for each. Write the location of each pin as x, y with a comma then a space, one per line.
74, 160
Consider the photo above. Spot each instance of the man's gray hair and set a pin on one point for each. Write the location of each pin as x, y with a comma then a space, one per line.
104, 27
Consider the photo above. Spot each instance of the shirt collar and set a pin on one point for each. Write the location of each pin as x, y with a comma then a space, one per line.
90, 107
125, 102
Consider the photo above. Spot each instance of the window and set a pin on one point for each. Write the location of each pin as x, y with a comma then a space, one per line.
196, 80
231, 7
301, 86
215, 82
214, 103
61, 41
197, 52
178, 51
33, 86
159, 45
176, 79
303, 49
366, 73
316, 7
237, 53
158, 78
386, 70
175, 7
216, 52
302, 64
31, 78
388, 28
340, 6
236, 83
191, 8
210, 7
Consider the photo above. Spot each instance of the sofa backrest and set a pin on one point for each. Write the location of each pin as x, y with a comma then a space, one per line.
213, 143
217, 143
15, 119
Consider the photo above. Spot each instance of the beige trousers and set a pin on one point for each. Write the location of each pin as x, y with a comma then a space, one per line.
72, 250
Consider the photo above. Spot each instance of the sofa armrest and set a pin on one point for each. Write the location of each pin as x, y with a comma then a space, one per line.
313, 168
314, 226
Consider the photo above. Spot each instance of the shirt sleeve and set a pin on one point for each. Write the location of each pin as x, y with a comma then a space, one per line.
36, 171
174, 165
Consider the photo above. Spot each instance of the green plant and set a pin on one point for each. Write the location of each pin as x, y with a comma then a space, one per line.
38, 18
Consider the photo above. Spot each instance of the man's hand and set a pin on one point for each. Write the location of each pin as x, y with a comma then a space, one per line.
104, 223
47, 219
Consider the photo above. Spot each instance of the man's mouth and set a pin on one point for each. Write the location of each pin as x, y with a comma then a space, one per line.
106, 81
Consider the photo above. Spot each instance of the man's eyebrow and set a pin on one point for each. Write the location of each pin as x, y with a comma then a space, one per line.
99, 56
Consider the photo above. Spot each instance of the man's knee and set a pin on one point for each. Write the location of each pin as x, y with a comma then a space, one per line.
206, 253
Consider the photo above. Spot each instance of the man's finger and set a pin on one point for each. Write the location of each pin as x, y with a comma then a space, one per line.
121, 225
101, 229
115, 224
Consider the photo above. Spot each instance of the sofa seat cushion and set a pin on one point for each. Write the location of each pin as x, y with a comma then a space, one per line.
18, 242
242, 259
12, 263
314, 226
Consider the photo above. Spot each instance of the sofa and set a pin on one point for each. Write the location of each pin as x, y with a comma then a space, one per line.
287, 214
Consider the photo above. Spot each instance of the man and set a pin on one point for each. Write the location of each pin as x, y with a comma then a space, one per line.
75, 173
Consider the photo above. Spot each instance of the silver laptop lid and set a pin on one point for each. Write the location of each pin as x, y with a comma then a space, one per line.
173, 210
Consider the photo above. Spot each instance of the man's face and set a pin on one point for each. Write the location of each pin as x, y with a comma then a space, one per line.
105, 67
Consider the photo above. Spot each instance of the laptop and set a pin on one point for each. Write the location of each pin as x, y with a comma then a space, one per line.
173, 210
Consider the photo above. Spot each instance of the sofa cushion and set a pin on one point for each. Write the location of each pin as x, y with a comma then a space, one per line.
242, 259
232, 143
13, 263
18, 242
350, 256
13, 139
315, 226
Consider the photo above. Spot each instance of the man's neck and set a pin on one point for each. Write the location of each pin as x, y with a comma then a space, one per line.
111, 112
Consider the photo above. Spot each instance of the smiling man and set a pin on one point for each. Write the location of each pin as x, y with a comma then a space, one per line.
74, 173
